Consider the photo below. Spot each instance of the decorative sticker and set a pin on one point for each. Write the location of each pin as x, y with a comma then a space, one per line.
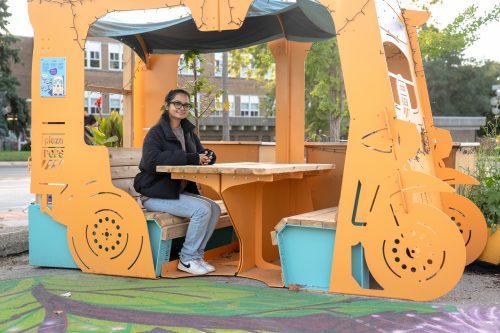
53, 77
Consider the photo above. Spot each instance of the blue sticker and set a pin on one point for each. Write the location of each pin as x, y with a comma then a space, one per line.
53, 77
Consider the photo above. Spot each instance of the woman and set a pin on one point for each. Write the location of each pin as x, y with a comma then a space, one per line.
172, 141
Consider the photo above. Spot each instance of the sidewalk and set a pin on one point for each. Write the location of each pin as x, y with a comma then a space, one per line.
13, 232
13, 163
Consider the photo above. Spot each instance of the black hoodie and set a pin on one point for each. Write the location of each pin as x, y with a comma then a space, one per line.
161, 147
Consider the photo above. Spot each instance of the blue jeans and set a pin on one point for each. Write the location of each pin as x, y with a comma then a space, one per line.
203, 214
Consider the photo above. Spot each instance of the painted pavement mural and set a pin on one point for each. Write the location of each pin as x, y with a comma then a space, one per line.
88, 303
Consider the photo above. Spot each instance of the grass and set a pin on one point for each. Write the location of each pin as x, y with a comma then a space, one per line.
8, 156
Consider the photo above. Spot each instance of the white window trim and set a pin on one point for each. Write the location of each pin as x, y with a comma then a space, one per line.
116, 97
249, 99
219, 106
93, 46
218, 69
112, 48
89, 102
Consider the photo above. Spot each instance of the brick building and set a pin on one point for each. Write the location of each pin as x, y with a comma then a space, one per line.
104, 68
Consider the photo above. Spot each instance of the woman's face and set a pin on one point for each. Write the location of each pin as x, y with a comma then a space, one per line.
179, 107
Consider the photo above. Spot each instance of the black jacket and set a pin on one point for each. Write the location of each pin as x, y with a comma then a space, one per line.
161, 147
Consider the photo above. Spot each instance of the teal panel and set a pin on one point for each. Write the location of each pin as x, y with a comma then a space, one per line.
359, 269
306, 255
48, 246
154, 231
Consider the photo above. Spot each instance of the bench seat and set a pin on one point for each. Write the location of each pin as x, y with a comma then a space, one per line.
124, 164
306, 243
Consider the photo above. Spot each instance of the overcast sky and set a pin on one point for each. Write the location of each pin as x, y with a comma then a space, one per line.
487, 47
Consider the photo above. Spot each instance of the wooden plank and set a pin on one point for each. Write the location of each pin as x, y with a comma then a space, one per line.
179, 230
326, 218
108, 90
124, 156
245, 168
127, 185
121, 172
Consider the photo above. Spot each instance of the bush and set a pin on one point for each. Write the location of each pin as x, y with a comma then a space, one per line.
486, 195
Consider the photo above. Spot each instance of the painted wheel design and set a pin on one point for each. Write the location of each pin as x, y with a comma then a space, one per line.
110, 239
424, 252
469, 221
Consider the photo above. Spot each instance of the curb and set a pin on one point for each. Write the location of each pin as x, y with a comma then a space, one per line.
13, 241
13, 164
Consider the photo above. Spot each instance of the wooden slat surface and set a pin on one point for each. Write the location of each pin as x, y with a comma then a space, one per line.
127, 185
124, 156
245, 168
325, 218
126, 171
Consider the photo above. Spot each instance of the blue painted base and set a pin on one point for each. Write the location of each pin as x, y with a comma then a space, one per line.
48, 246
306, 255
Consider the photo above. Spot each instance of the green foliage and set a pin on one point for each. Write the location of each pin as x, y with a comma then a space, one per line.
17, 117
486, 195
324, 92
109, 131
458, 86
458, 89
456, 36
203, 94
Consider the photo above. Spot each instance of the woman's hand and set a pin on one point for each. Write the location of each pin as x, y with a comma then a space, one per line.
205, 159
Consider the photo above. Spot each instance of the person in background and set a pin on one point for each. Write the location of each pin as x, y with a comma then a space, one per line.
172, 141
89, 121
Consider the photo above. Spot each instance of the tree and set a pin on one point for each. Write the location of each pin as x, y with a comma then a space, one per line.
458, 86
203, 93
14, 113
325, 92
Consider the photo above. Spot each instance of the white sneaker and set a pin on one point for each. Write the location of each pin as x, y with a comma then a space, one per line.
192, 267
207, 266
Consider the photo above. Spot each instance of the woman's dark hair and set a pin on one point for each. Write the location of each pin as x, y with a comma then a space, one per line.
89, 120
174, 92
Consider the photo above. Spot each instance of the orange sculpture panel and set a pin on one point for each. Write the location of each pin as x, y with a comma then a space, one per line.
396, 199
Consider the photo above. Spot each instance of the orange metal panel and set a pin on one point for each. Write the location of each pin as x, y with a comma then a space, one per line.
107, 232
390, 199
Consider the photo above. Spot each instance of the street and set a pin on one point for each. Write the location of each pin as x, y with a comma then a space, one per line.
14, 188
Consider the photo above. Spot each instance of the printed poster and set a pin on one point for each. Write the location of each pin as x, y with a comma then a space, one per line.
53, 77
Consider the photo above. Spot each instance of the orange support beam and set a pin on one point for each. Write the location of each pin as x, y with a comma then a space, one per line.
290, 99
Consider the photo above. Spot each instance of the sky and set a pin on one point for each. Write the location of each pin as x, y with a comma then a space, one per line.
487, 47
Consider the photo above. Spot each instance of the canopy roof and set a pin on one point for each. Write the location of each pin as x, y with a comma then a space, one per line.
266, 20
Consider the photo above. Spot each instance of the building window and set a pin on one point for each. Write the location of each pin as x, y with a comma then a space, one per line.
90, 103
116, 103
93, 55
249, 106
219, 106
218, 61
115, 52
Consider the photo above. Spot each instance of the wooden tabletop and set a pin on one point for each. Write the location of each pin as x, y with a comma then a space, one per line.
250, 168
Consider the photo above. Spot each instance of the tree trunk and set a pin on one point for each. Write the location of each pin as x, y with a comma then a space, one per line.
196, 102
225, 101
342, 98
332, 118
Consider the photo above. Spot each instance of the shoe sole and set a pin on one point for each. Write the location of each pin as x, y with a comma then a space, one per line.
180, 268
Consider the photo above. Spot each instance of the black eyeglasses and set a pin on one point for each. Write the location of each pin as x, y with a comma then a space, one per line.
178, 105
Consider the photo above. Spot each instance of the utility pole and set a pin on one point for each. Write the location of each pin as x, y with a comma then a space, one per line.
225, 101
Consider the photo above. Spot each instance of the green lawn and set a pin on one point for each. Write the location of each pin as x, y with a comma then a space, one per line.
14, 156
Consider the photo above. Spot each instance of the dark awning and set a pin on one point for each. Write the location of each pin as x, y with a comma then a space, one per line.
267, 20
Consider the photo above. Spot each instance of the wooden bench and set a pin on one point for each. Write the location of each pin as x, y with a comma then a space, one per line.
124, 164
306, 243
